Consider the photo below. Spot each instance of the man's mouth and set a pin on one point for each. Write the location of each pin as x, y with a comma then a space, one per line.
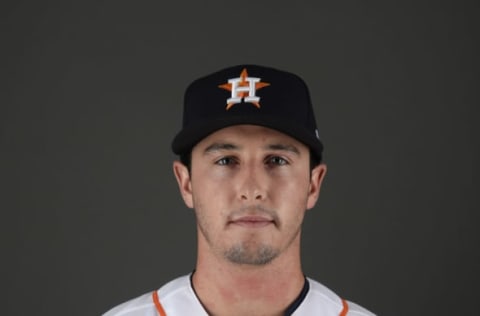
252, 221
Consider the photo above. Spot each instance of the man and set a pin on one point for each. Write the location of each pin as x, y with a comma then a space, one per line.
250, 166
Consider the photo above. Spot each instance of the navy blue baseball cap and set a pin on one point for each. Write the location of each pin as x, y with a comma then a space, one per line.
248, 94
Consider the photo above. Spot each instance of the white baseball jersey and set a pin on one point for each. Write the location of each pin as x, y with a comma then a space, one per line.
178, 298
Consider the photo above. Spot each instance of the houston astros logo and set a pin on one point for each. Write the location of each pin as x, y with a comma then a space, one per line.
244, 88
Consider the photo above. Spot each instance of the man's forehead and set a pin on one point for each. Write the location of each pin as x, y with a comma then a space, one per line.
247, 130
239, 136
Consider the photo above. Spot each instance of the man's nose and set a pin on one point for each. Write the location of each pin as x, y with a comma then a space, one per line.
253, 184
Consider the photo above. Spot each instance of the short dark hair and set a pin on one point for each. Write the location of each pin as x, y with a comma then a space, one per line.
186, 160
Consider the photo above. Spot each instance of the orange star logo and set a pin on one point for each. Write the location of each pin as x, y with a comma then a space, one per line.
243, 88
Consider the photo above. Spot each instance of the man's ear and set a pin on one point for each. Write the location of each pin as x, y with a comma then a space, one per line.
184, 182
316, 178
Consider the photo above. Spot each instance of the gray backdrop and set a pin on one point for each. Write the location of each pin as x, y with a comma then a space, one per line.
91, 96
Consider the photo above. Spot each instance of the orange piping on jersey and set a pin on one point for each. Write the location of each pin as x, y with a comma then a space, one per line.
345, 308
158, 305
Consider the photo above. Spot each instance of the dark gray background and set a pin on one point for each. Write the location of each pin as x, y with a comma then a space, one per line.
91, 97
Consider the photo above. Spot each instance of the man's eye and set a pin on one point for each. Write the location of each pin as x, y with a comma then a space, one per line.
225, 161
275, 160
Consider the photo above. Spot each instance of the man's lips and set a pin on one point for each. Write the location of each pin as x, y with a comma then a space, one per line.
252, 221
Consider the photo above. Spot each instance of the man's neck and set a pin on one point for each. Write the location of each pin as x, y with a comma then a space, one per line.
233, 289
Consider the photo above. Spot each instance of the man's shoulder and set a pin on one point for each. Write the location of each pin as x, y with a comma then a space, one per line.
144, 305
322, 295
357, 310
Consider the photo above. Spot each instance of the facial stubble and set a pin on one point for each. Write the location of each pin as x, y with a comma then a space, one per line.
251, 249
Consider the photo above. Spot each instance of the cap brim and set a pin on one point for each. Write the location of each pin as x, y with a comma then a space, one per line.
187, 138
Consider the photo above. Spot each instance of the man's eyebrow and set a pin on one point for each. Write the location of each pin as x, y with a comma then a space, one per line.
220, 146
283, 147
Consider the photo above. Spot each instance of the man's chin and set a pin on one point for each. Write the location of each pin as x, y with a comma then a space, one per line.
251, 255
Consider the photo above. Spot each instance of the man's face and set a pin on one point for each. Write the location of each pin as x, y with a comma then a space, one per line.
250, 187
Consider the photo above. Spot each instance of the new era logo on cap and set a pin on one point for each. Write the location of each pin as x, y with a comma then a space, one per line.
247, 94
